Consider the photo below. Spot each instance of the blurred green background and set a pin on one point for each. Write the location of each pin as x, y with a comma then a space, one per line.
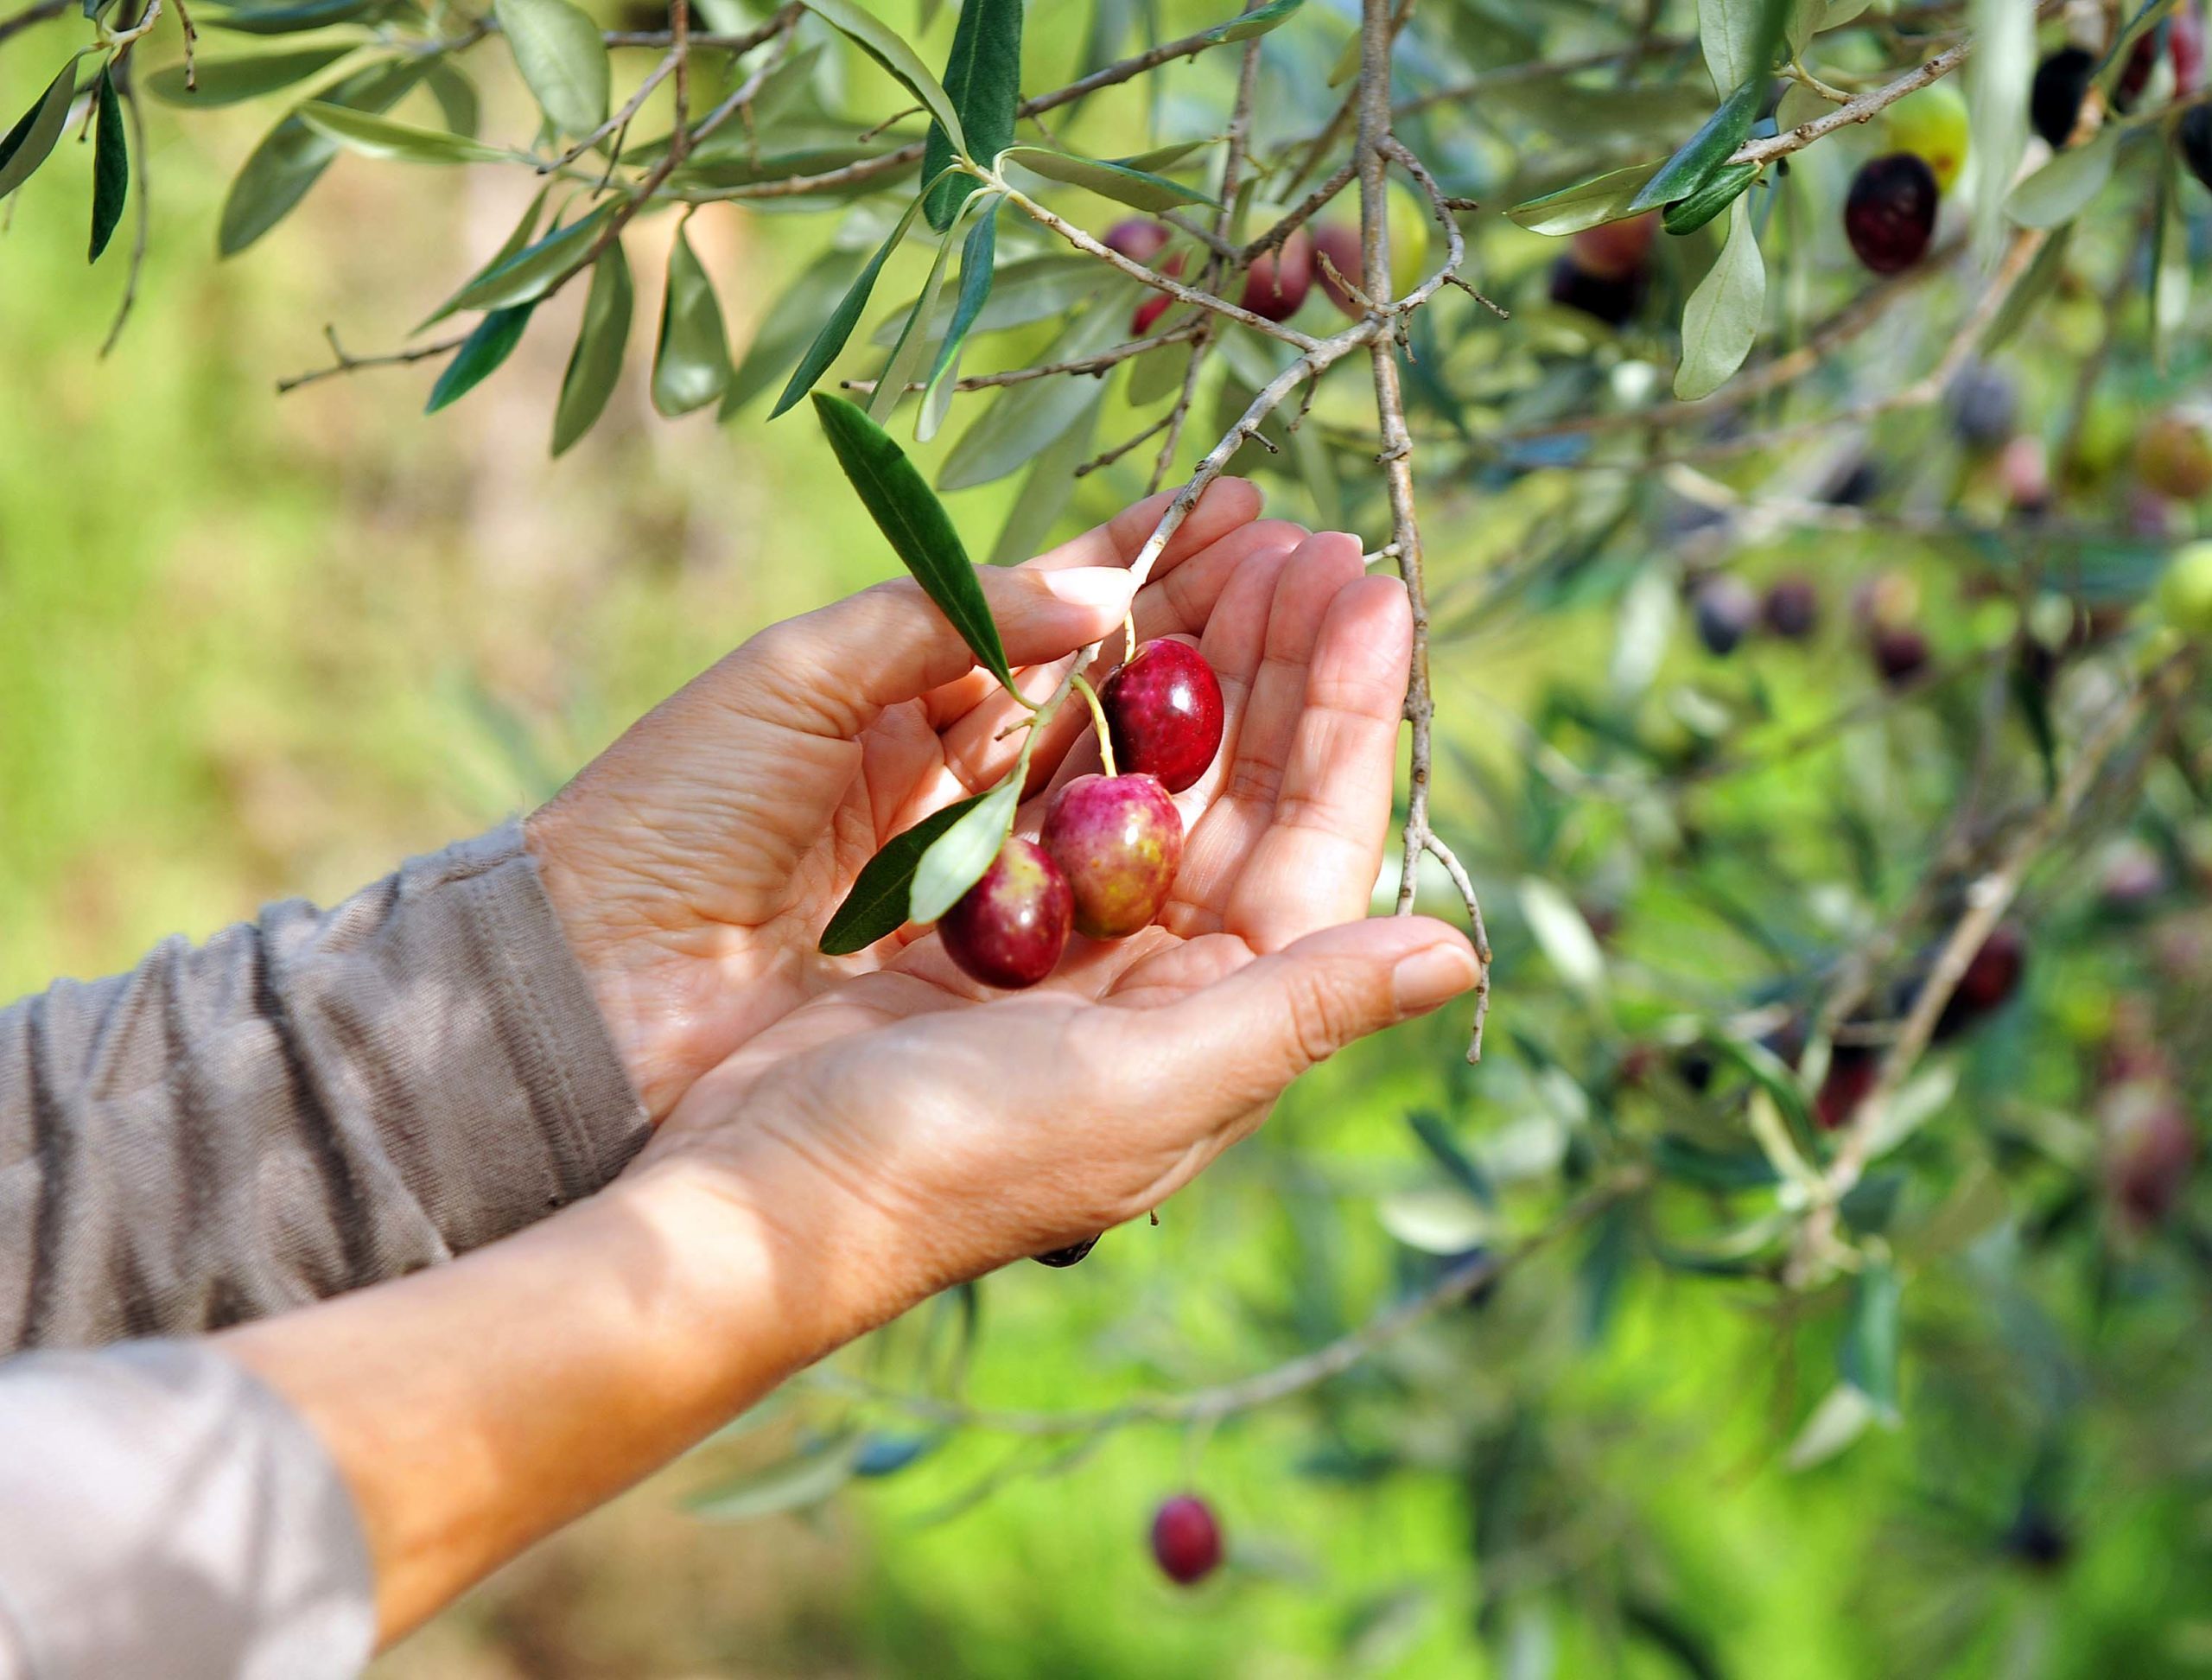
253, 645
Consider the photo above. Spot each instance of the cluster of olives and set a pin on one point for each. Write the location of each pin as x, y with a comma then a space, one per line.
1991, 976
1725, 610
1106, 859
1276, 284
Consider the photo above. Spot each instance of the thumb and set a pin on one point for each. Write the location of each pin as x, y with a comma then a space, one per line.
845, 663
1242, 1038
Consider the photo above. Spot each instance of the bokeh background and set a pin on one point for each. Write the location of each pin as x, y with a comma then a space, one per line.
254, 646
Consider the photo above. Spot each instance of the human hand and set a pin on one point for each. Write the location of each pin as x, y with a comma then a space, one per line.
694, 864
906, 1127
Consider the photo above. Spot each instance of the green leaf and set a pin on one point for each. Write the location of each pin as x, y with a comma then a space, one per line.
1721, 320
492, 343
957, 859
456, 98
1046, 491
789, 324
2036, 284
1024, 293
794, 1485
842, 319
1740, 38
983, 78
1997, 78
1867, 1359
1687, 215
596, 362
25, 146
915, 522
511, 246
1255, 22
2062, 190
1436, 1138
1839, 1419
883, 44
532, 271
978, 259
227, 81
876, 907
1772, 1075
1025, 418
913, 338
1606, 198
1704, 152
1118, 182
292, 156
381, 138
283, 19
111, 164
558, 49
691, 363
1564, 935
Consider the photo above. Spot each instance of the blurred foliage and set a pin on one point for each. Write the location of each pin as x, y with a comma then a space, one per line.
1721, 1422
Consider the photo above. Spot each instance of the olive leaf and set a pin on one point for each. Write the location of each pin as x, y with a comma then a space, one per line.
483, 350
882, 43
1258, 21
26, 146
692, 361
292, 156
875, 907
978, 256
919, 530
790, 324
842, 319
913, 338
1997, 78
1604, 198
531, 272
111, 164
1702, 154
1025, 418
563, 60
957, 859
1739, 38
1723, 189
2062, 190
1867, 1358
1139, 188
379, 136
1721, 320
283, 19
983, 78
228, 81
596, 362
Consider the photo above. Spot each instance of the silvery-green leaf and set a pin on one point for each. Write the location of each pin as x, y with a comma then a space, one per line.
1720, 323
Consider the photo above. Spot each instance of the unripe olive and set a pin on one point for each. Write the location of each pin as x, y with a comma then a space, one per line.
2185, 590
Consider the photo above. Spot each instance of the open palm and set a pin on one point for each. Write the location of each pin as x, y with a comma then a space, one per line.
694, 864
939, 1128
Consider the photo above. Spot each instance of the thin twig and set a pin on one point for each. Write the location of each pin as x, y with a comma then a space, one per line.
1093, 364
620, 119
1294, 1376
347, 362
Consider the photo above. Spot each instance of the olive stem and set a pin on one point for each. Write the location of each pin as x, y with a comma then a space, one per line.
1081, 685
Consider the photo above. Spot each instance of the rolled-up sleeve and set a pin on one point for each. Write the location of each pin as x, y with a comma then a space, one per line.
307, 1103
164, 1515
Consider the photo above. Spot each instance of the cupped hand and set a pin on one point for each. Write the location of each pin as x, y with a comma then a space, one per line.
694, 864
906, 1128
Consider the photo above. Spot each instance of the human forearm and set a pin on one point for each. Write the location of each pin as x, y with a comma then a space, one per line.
307, 1103
474, 1408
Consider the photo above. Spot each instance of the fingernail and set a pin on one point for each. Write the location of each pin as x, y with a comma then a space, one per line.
1098, 588
1432, 976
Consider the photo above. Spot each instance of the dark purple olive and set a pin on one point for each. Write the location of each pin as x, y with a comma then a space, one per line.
2054, 101
1792, 607
1186, 1539
1610, 298
1725, 610
1889, 215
